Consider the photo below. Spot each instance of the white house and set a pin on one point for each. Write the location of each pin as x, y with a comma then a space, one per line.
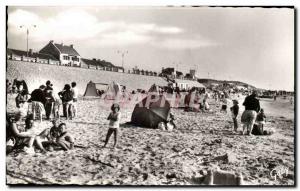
67, 55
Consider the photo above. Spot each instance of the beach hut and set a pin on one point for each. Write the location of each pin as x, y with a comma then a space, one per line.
152, 110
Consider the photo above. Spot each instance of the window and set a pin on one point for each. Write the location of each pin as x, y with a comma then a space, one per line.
66, 57
74, 58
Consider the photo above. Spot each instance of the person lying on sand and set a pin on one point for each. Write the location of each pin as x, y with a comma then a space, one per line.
114, 124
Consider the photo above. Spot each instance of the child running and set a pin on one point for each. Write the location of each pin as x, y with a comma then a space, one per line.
114, 124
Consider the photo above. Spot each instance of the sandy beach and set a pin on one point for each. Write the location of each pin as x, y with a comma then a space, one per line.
145, 156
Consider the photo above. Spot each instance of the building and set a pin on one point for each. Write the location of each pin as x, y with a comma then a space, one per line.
67, 55
13, 54
100, 65
187, 84
91, 63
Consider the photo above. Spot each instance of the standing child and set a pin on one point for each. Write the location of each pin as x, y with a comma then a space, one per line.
234, 112
114, 124
261, 120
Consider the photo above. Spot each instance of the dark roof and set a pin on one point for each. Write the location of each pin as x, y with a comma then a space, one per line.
32, 55
90, 62
100, 63
67, 49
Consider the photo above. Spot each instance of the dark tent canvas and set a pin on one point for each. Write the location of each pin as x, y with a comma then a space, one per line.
154, 88
91, 89
156, 112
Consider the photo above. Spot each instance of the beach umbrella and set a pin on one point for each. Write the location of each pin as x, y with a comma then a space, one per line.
152, 110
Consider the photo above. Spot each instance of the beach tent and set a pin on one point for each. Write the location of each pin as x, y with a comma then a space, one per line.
91, 89
152, 110
154, 88
112, 91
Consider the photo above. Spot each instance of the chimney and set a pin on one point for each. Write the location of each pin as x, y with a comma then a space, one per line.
71, 46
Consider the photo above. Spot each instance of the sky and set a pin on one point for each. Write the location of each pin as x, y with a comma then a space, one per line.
252, 45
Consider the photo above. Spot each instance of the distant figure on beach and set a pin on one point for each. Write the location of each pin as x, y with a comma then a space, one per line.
234, 113
274, 97
75, 98
291, 100
114, 124
252, 107
204, 106
224, 105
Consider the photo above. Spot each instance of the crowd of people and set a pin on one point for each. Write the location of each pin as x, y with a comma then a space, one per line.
44, 101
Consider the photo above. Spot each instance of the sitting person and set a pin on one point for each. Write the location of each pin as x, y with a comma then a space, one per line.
258, 127
56, 136
48, 136
64, 139
17, 135
171, 123
261, 118
204, 106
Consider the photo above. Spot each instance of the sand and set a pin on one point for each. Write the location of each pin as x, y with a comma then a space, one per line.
154, 157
